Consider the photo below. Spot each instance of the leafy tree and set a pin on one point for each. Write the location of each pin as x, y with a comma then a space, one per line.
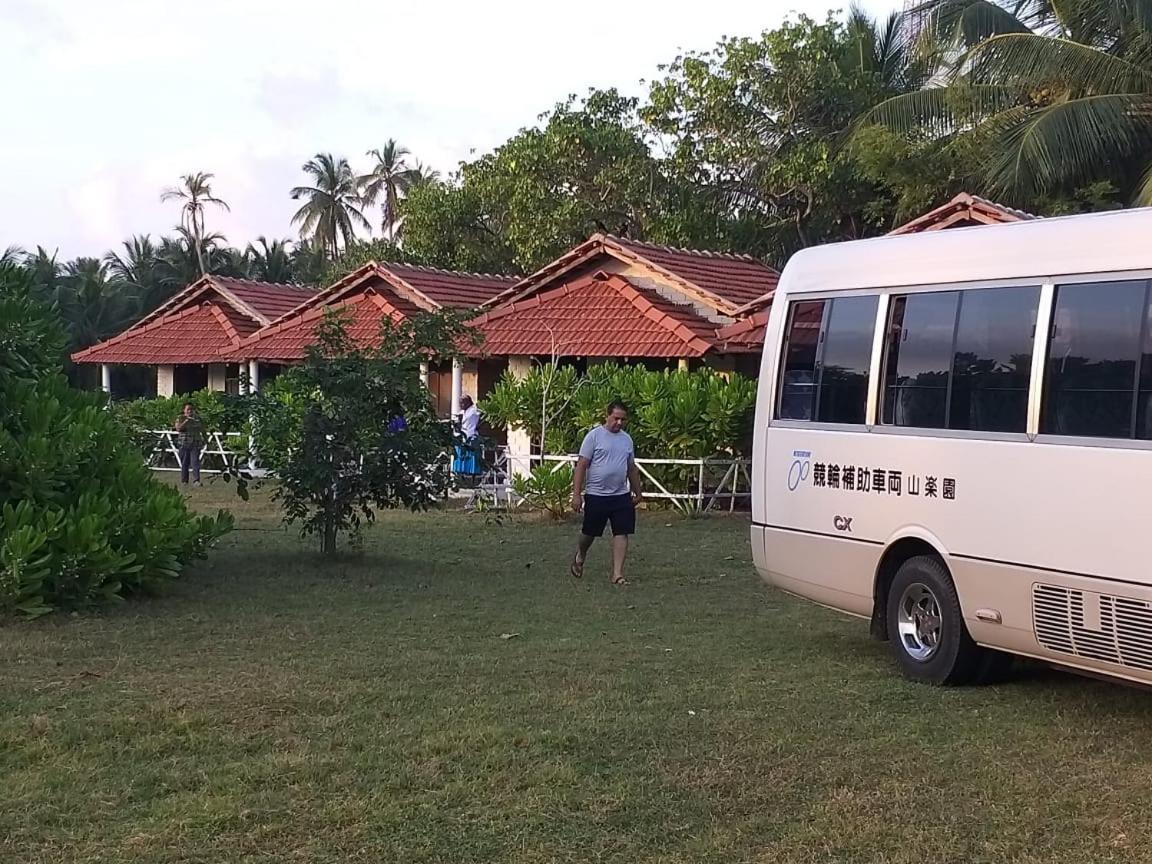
270, 260
387, 182
586, 168
194, 191
1061, 91
757, 126
326, 427
82, 521
331, 210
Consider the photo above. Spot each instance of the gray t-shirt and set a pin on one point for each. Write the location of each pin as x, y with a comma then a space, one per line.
609, 455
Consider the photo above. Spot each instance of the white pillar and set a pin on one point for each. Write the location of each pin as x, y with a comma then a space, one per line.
424, 374
165, 380
253, 376
457, 387
253, 387
519, 441
106, 378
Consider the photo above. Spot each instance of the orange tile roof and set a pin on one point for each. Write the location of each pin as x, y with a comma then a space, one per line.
745, 335
197, 334
243, 306
269, 300
596, 316
718, 280
963, 211
451, 288
285, 341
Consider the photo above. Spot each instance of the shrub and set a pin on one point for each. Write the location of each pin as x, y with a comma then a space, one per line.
673, 414
83, 521
548, 487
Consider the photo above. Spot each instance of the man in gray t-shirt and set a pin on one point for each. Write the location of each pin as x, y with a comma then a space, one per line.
606, 485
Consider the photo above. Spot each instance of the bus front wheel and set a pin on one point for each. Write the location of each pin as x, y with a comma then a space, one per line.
926, 627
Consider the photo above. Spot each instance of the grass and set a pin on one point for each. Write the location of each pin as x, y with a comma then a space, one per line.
276, 708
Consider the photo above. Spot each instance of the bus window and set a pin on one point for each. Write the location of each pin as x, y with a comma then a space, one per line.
843, 393
919, 359
826, 360
798, 382
993, 359
1094, 352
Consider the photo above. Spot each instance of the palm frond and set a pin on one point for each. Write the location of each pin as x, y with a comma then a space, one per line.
1041, 149
964, 23
1031, 61
940, 111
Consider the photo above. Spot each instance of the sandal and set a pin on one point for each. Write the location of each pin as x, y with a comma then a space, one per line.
621, 581
577, 568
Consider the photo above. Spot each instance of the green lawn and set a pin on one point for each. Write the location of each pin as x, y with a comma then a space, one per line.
274, 708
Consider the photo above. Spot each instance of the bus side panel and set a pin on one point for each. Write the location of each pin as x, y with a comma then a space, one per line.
1005, 514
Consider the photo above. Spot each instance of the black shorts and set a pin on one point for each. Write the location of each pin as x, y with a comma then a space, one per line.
599, 510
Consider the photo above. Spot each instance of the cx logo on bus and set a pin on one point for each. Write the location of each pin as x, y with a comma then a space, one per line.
842, 523
798, 473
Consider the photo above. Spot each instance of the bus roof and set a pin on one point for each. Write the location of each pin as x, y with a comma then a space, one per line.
1043, 249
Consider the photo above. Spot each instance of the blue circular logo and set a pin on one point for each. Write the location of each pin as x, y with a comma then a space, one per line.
797, 474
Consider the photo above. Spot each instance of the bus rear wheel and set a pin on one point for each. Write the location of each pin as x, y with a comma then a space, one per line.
926, 627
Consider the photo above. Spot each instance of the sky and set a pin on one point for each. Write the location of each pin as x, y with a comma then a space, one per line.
107, 103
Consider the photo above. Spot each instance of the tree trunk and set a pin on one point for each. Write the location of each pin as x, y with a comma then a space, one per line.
329, 542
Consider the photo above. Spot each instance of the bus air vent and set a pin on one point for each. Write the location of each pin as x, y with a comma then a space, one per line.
1093, 626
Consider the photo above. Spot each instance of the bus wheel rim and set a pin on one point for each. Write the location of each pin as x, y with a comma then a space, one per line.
918, 622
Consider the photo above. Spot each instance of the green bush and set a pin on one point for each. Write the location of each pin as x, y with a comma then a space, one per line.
221, 412
548, 487
673, 414
82, 522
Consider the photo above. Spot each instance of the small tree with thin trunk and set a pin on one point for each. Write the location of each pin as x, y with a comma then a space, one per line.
353, 430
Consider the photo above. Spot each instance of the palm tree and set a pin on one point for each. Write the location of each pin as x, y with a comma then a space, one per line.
390, 178
423, 175
272, 261
1061, 93
12, 255
141, 269
195, 190
331, 211
183, 260
94, 306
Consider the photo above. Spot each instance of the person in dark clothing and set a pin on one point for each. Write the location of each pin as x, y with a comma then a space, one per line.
189, 442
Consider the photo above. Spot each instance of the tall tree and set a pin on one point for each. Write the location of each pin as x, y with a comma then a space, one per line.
331, 211
140, 268
270, 260
1061, 91
586, 168
195, 191
387, 182
756, 127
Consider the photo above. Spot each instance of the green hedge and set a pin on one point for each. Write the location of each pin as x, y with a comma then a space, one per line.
83, 522
674, 414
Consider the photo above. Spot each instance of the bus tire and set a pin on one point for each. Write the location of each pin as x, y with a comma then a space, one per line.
926, 627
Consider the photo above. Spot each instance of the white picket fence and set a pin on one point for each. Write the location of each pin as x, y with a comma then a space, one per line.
215, 457
735, 483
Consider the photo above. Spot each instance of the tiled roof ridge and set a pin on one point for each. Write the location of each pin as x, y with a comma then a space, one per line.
703, 253
293, 286
425, 268
988, 202
225, 322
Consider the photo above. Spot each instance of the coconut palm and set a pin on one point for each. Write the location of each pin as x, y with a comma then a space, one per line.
1062, 92
270, 260
181, 257
93, 305
423, 175
331, 211
195, 191
140, 268
388, 181
12, 255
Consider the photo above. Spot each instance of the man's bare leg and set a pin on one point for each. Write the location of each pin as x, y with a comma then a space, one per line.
582, 547
619, 553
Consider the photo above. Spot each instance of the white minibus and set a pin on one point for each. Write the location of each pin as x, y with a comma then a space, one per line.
954, 440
